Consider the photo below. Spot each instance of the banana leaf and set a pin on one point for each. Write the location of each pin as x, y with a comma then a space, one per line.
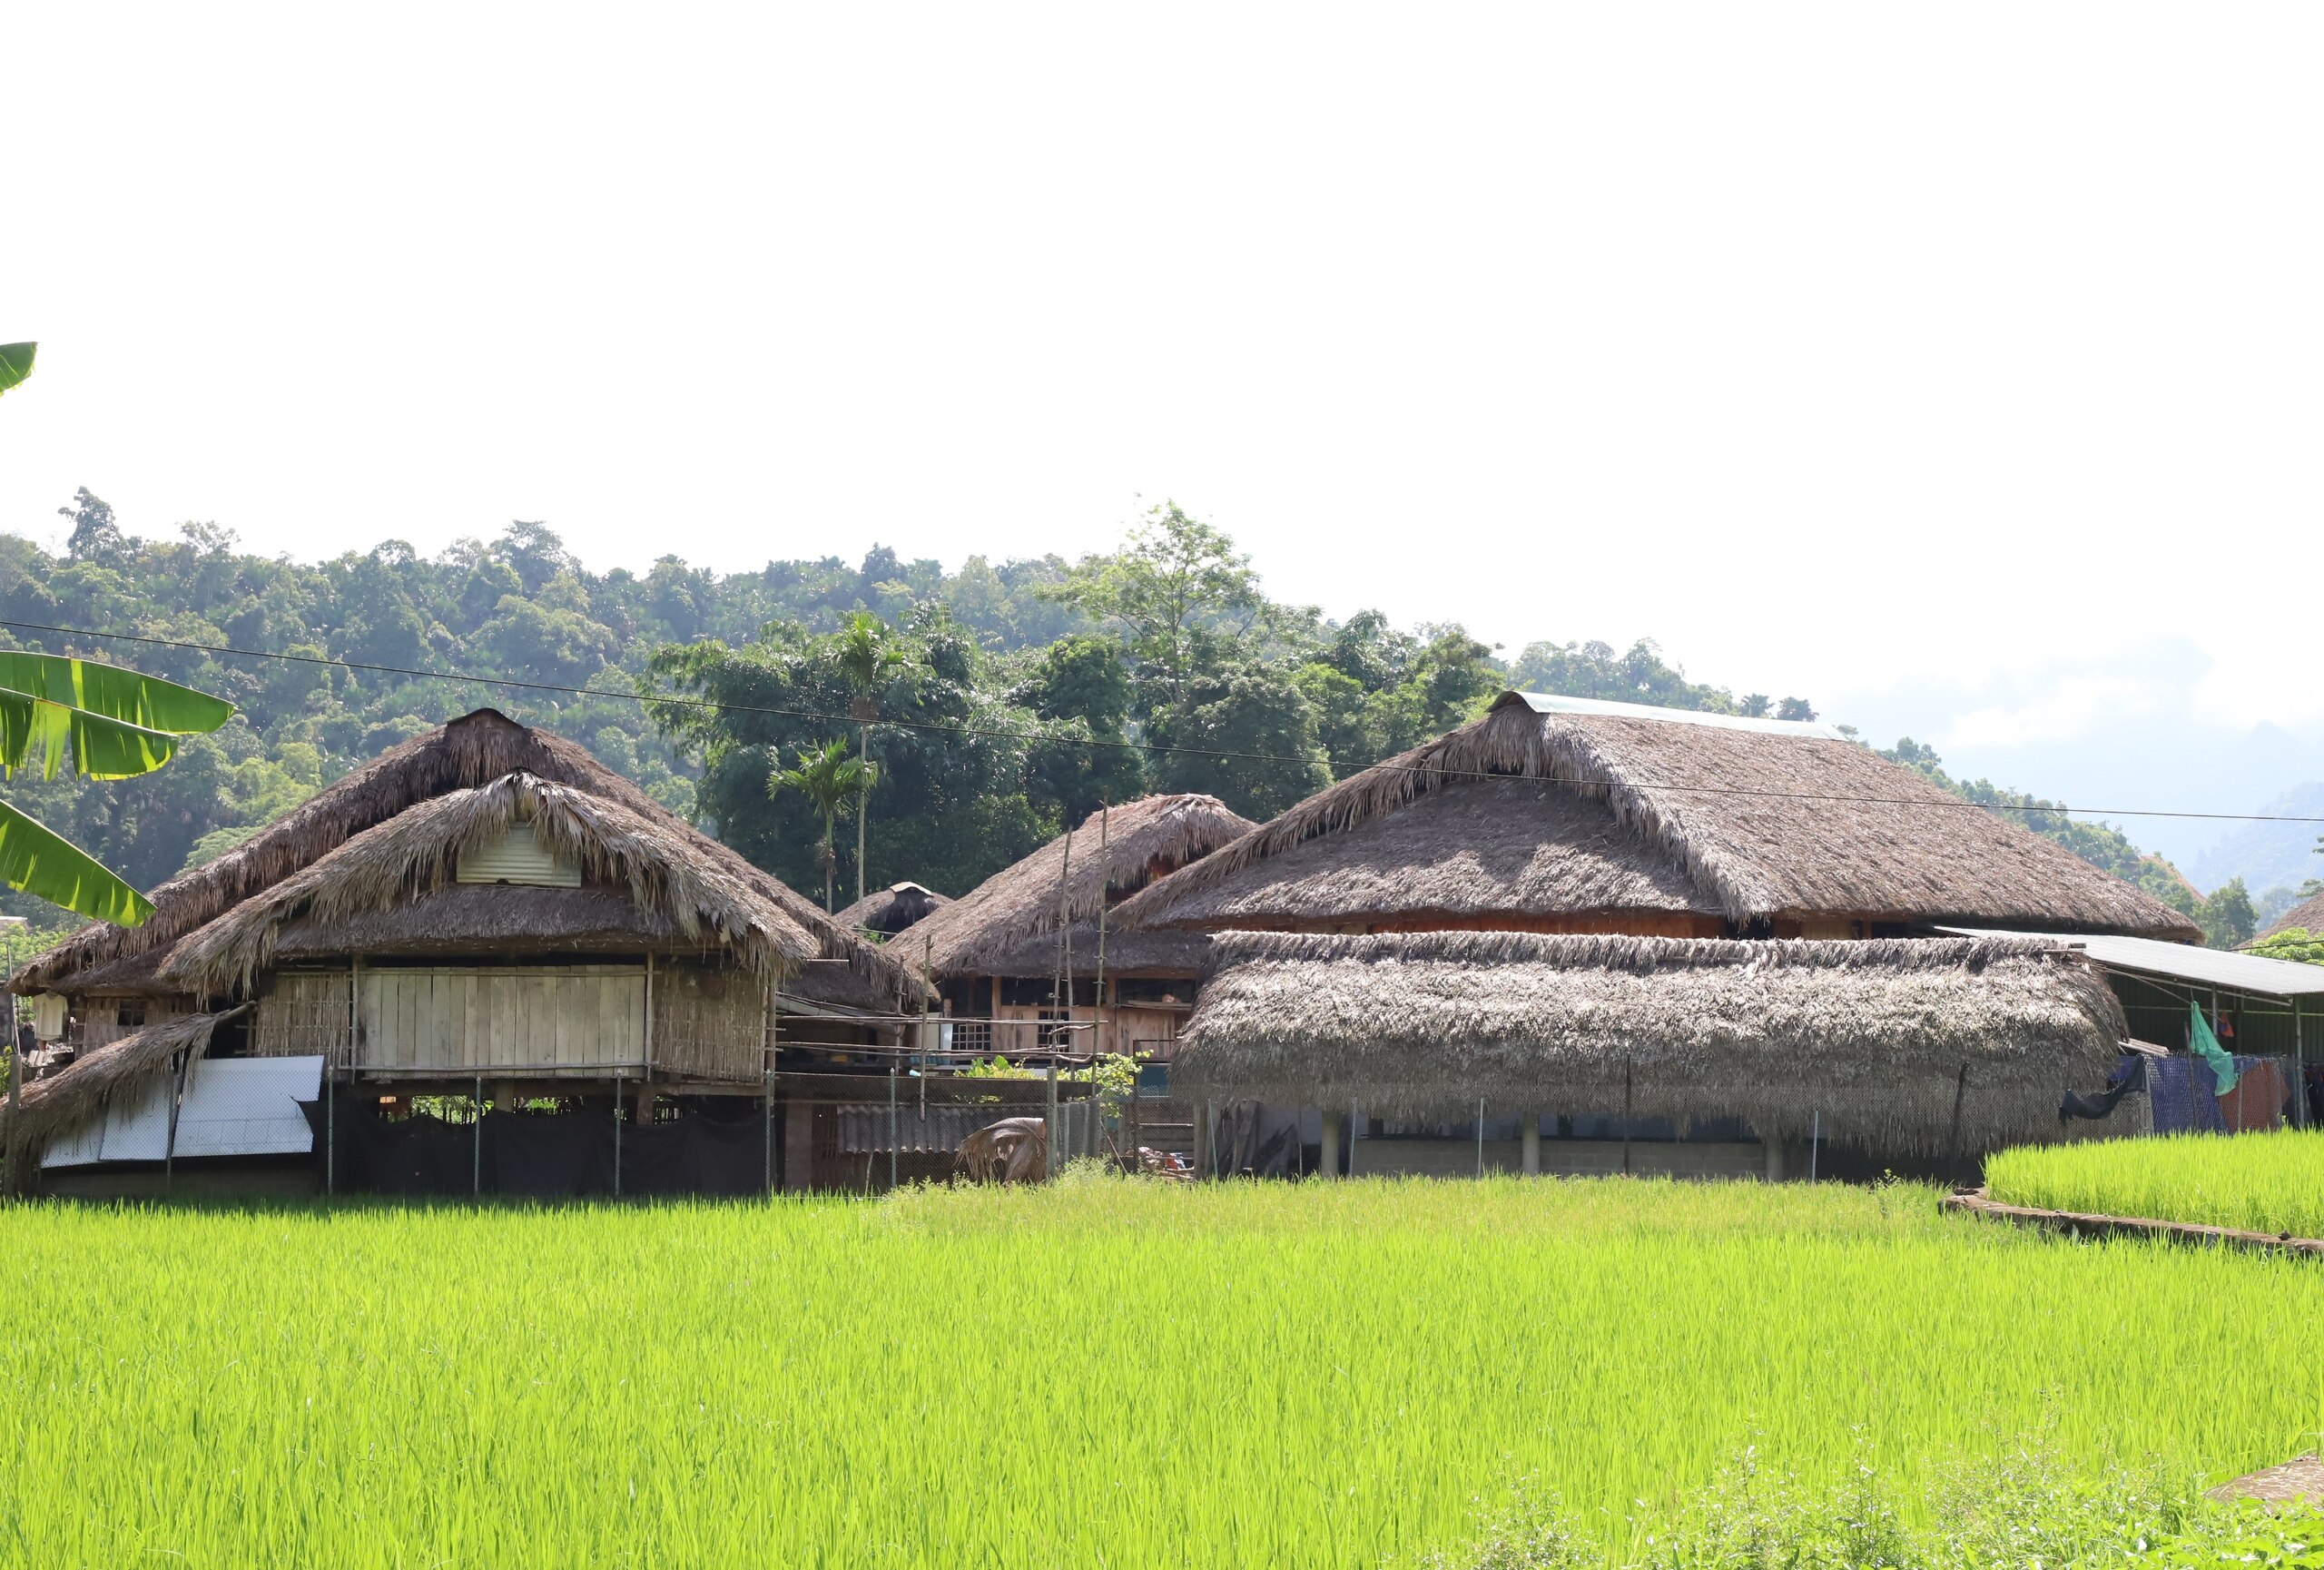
101, 749
44, 863
16, 363
113, 692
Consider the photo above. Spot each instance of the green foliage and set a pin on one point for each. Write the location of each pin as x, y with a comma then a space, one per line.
2228, 919
16, 363
2292, 944
1641, 675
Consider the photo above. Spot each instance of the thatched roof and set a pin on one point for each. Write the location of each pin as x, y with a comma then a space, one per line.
891, 910
1128, 952
1630, 811
2307, 915
391, 869
56, 1103
1871, 1035
997, 920
473, 750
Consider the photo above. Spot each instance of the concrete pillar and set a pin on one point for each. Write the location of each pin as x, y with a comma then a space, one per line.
645, 1104
1775, 1159
504, 1096
1529, 1145
1330, 1159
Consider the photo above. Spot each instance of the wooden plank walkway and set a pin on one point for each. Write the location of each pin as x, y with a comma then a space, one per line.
2075, 1224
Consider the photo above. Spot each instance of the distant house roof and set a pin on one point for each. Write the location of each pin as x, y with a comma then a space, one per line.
998, 928
1561, 807
891, 910
2307, 915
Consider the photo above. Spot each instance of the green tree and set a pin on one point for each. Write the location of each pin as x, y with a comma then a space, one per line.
830, 779
1246, 736
2227, 918
1179, 593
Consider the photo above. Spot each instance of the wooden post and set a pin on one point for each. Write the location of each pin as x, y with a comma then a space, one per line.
766, 1080
1328, 1157
476, 1154
1529, 1145
1049, 1122
649, 1014
895, 1130
1353, 1122
2298, 1069
617, 1133
798, 1144
1773, 1151
1098, 1037
1960, 1091
1626, 1115
1481, 1136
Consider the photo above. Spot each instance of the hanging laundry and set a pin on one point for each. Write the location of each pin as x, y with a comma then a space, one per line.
2205, 1045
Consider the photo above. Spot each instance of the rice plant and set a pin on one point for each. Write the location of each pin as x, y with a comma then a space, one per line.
2255, 1183
1102, 1372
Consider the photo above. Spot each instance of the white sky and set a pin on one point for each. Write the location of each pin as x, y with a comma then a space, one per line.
1957, 367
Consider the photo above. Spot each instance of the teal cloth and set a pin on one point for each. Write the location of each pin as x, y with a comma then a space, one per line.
2205, 1045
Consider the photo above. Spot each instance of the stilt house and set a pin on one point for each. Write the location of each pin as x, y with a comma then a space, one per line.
488, 912
1577, 935
999, 951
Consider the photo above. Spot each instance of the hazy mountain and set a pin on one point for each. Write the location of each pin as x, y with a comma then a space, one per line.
2268, 856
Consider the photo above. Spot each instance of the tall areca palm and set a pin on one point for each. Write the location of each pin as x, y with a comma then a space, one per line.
829, 778
868, 660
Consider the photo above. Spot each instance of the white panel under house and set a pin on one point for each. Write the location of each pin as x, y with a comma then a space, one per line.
482, 963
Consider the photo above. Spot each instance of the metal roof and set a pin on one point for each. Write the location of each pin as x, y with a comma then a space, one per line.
2182, 962
1555, 703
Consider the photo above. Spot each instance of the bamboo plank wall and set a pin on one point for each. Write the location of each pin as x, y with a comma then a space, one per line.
707, 1023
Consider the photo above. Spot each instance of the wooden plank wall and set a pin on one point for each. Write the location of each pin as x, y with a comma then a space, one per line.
100, 1017
566, 1017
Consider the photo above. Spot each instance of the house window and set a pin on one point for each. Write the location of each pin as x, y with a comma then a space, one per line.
969, 1036
130, 1016
518, 857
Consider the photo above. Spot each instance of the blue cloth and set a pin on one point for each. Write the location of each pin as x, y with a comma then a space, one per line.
2180, 1090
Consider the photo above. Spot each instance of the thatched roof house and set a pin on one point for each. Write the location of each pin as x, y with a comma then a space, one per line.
646, 879
1555, 814
1878, 1042
891, 910
2307, 916
997, 949
1009, 925
487, 900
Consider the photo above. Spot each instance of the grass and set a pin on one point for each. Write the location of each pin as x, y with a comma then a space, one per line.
2256, 1183
1099, 1373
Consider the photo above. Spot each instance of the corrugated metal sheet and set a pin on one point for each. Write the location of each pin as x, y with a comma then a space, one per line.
863, 1127
232, 1107
248, 1107
2182, 962
137, 1121
518, 857
1556, 703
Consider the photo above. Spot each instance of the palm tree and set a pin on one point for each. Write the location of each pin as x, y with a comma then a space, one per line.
828, 777
868, 660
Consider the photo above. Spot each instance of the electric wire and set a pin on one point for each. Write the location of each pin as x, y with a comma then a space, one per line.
998, 733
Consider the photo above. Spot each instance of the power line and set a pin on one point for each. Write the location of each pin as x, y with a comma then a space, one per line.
715, 706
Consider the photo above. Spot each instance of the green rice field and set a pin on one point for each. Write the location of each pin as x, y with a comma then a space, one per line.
1100, 1373
2257, 1182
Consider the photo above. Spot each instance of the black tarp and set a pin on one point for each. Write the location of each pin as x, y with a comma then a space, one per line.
1258, 1140
709, 1150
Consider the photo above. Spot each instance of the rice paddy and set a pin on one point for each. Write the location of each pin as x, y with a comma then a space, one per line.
2257, 1182
1099, 1373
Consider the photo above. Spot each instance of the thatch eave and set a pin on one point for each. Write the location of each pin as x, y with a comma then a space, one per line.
1873, 1040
